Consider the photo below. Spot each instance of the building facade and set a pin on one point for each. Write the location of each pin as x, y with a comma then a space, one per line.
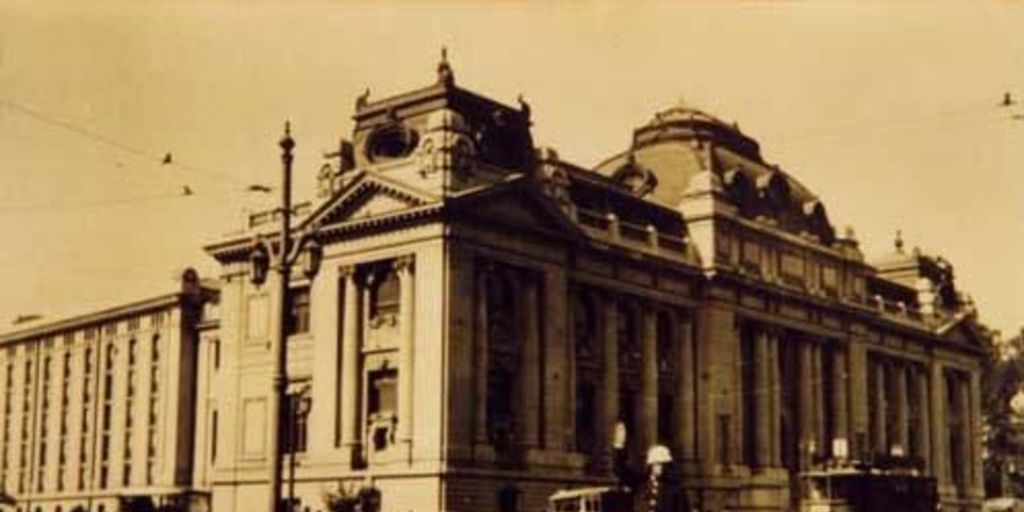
98, 409
489, 321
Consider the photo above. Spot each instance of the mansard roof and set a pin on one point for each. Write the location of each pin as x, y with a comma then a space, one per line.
682, 142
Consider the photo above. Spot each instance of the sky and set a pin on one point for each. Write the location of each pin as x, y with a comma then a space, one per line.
888, 111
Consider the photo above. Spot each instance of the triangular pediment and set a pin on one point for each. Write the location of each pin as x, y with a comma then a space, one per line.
517, 206
369, 196
965, 330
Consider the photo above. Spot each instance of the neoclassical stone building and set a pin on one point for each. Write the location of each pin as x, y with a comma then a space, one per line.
486, 314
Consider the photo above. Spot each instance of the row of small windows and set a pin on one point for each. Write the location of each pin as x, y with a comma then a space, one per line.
52, 428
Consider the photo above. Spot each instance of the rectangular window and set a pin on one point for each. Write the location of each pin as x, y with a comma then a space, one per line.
213, 437
298, 311
381, 407
216, 354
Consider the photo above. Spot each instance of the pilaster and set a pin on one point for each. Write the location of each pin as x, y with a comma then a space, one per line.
937, 404
685, 388
325, 319
762, 399
610, 380
406, 309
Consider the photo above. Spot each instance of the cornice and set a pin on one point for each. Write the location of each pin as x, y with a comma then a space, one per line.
104, 315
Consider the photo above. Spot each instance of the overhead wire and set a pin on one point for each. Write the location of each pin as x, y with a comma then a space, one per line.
152, 156
155, 158
988, 112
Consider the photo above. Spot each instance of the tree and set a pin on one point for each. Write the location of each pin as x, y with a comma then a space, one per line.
1002, 379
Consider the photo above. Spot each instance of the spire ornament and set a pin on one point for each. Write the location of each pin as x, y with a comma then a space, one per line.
445, 75
899, 241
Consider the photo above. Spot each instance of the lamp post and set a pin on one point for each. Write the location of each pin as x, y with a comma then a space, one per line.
280, 257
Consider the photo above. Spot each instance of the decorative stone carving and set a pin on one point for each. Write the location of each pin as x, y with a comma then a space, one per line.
447, 145
554, 180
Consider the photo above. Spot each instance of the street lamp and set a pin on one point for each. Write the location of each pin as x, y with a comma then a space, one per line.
280, 257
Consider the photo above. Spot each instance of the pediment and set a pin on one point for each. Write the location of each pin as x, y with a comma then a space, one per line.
964, 331
518, 207
369, 196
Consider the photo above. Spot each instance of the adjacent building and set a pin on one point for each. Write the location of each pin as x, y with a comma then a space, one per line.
489, 320
98, 409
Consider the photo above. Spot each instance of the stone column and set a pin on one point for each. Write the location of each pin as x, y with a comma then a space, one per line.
878, 430
762, 399
807, 430
529, 363
818, 384
938, 423
840, 407
406, 339
963, 403
902, 416
776, 386
649, 378
610, 382
858, 396
924, 420
556, 351
350, 427
481, 371
974, 433
684, 406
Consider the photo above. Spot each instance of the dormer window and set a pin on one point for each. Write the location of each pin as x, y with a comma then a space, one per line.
637, 179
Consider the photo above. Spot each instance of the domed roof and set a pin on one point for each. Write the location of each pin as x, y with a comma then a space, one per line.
686, 123
684, 112
682, 143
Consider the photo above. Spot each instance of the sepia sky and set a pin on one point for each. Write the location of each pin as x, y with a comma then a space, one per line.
888, 111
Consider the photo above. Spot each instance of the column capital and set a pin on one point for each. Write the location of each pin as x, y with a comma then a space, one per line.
404, 263
346, 271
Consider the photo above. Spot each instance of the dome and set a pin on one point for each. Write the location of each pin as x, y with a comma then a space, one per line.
684, 112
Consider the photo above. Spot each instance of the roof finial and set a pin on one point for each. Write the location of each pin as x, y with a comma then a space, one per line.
524, 107
899, 240
445, 76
